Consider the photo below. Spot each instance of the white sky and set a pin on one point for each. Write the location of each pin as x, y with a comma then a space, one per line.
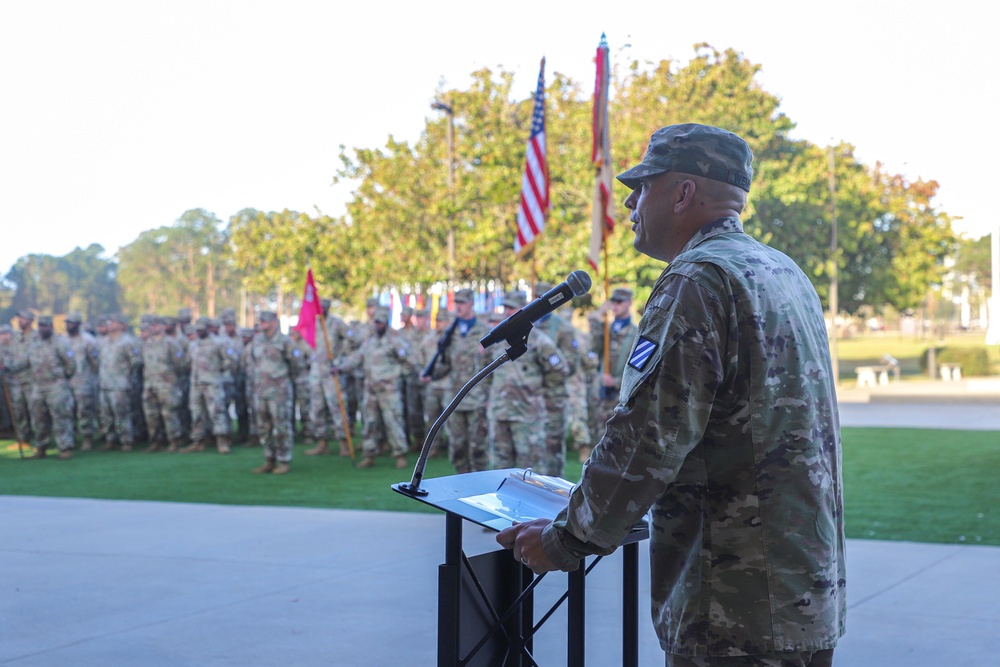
118, 116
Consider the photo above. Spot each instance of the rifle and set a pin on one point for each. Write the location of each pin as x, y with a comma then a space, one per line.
442, 346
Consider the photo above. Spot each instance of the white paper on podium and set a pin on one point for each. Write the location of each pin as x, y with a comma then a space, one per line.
523, 496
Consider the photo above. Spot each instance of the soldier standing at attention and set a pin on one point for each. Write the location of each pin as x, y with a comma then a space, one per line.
236, 393
186, 330
119, 357
384, 358
563, 334
327, 418
300, 388
413, 388
516, 409
436, 397
163, 360
83, 384
275, 360
726, 434
19, 381
246, 363
466, 428
609, 377
51, 364
357, 334
211, 359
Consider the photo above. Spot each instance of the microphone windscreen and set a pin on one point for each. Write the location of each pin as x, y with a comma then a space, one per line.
579, 282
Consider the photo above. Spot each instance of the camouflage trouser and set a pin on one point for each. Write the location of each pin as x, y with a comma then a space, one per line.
116, 416
303, 400
208, 412
19, 398
325, 417
135, 401
516, 444
554, 459
85, 399
822, 658
161, 404
52, 414
436, 399
242, 409
273, 419
383, 412
184, 384
413, 400
577, 423
467, 445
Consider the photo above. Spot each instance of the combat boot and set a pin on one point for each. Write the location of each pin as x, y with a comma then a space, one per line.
281, 469
584, 453
107, 446
87, 445
174, 447
222, 444
198, 446
401, 462
126, 448
344, 449
368, 461
264, 469
37, 454
65, 454
320, 448
153, 448
254, 441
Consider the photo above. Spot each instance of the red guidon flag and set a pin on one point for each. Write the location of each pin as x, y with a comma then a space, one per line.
309, 312
535, 182
602, 220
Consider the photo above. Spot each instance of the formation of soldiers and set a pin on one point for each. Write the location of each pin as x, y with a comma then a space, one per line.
176, 386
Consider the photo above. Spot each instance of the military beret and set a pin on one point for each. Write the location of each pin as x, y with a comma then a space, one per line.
26, 315
381, 314
696, 149
464, 296
515, 299
74, 317
267, 316
45, 321
621, 294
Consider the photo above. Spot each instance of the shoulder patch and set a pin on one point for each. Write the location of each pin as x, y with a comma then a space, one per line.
296, 353
554, 360
644, 349
69, 353
576, 343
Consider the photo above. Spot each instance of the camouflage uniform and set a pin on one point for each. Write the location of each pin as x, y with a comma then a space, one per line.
466, 427
727, 425
413, 388
580, 383
211, 359
437, 393
516, 409
18, 379
300, 387
563, 334
51, 365
119, 356
83, 384
275, 360
164, 359
383, 359
249, 379
604, 399
327, 419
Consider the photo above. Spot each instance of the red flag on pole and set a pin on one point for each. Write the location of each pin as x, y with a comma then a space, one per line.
309, 312
535, 181
602, 221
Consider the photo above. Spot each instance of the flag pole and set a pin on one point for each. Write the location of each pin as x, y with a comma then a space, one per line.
607, 297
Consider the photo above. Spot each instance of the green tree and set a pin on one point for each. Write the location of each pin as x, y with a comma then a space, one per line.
81, 280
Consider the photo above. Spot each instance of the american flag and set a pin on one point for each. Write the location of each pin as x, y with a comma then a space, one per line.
535, 182
602, 221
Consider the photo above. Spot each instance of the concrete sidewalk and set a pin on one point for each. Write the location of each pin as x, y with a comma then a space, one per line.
108, 583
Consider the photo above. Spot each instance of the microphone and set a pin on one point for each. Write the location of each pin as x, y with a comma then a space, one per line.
518, 325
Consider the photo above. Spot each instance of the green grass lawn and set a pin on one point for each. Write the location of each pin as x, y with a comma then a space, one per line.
900, 484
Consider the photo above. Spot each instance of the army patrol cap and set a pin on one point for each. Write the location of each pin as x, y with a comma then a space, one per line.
324, 303
268, 316
621, 294
246, 333
156, 319
381, 314
201, 324
26, 315
6, 329
188, 329
422, 312
45, 321
74, 318
228, 316
371, 302
515, 299
464, 296
696, 149
407, 311
213, 322
184, 314
118, 318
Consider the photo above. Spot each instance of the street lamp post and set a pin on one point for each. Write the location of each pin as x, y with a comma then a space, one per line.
438, 105
993, 324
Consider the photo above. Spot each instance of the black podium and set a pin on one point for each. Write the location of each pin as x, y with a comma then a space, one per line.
486, 614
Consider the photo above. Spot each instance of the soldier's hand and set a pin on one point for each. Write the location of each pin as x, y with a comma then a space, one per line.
525, 541
608, 380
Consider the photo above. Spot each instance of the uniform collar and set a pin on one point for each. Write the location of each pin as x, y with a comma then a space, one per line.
720, 226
